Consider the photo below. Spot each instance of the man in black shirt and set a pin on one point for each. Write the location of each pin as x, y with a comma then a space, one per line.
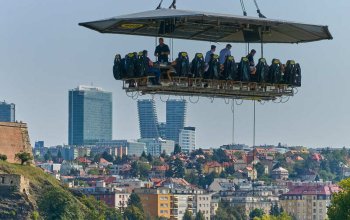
162, 51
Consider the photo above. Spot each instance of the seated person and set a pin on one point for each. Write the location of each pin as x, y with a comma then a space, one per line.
152, 69
250, 57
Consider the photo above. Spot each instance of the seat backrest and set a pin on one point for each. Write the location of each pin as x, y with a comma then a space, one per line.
230, 71
244, 70
182, 64
297, 75
262, 71
275, 72
214, 67
118, 67
131, 65
289, 72
198, 66
142, 64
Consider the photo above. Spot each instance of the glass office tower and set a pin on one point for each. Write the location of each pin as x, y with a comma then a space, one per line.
175, 118
90, 115
148, 119
7, 112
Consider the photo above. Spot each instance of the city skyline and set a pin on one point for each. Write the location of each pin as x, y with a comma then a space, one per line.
316, 116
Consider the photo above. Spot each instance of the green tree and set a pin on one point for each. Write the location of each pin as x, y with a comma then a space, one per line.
24, 157
340, 204
48, 156
200, 216
176, 169
177, 149
99, 210
3, 157
58, 205
149, 158
256, 213
187, 215
260, 169
134, 200
133, 213
144, 154
107, 156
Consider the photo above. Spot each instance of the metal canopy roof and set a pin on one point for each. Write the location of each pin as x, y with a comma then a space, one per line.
213, 27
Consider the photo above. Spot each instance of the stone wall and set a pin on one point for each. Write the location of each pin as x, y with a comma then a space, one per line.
14, 181
14, 138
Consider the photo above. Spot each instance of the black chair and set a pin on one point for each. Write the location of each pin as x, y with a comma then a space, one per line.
131, 65
198, 66
289, 72
262, 71
244, 70
214, 68
230, 71
297, 75
275, 72
142, 64
118, 67
182, 65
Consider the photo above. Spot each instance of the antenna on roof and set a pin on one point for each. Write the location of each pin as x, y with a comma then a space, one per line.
160, 5
173, 5
258, 10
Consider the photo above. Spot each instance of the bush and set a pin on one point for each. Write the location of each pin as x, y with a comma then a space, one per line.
3, 157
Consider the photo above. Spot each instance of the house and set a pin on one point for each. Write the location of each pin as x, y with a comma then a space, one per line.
213, 166
280, 174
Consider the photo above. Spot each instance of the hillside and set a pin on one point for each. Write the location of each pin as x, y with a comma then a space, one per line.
33, 203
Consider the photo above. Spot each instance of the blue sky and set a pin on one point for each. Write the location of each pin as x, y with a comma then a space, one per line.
44, 53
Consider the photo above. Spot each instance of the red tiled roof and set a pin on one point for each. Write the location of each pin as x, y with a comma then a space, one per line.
213, 164
313, 190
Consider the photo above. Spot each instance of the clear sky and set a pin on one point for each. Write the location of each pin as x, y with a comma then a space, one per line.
44, 53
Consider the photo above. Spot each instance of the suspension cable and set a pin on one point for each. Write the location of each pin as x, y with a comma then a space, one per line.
160, 5
243, 8
258, 10
233, 121
173, 5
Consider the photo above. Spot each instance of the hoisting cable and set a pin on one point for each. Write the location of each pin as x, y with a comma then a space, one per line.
173, 5
254, 151
233, 121
160, 5
258, 10
243, 8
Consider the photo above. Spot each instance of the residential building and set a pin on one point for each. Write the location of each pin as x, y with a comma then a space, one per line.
280, 174
308, 201
148, 119
175, 118
136, 148
156, 202
157, 146
7, 112
181, 200
203, 203
250, 199
187, 139
90, 115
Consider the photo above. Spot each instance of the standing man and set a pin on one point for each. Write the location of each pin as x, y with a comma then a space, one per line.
225, 53
209, 53
250, 57
162, 51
